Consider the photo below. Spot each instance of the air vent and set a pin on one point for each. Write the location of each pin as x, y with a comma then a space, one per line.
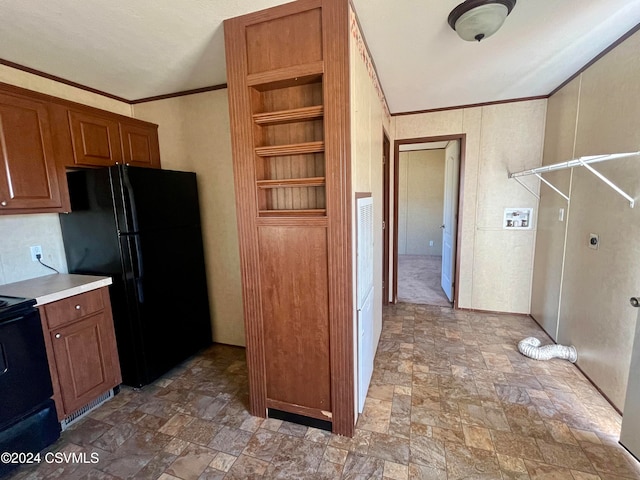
83, 411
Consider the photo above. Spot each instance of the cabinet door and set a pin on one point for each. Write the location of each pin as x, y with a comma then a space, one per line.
86, 360
28, 176
140, 144
95, 139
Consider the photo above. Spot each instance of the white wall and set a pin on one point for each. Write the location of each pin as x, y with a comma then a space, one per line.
368, 119
597, 113
19, 232
195, 136
495, 264
420, 202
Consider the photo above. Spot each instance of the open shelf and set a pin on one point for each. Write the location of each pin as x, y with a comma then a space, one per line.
315, 212
289, 116
293, 149
286, 77
292, 182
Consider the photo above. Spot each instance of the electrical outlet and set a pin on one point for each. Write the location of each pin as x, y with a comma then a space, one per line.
36, 250
431, 243
594, 241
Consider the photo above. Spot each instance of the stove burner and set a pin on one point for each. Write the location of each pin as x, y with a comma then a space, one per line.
3, 303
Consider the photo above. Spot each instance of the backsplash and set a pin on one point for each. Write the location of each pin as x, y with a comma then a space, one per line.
20, 232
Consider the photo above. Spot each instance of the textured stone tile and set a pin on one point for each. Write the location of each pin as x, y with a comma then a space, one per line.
563, 455
211, 474
198, 431
516, 445
360, 466
463, 462
247, 468
375, 416
511, 464
176, 446
328, 471
296, 458
222, 461
426, 472
542, 471
477, 437
611, 460
231, 440
154, 468
396, 471
335, 455
292, 429
358, 443
191, 462
317, 435
390, 448
264, 444
443, 381
424, 451
114, 437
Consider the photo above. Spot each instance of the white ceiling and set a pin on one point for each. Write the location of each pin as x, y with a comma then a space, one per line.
143, 48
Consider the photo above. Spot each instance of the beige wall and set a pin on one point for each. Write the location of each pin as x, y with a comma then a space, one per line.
195, 136
420, 202
19, 232
367, 120
596, 113
495, 264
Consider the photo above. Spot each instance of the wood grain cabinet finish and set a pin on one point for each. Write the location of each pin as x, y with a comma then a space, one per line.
288, 79
28, 172
140, 146
95, 139
81, 348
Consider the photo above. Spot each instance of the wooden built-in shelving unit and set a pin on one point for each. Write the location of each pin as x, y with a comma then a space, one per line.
288, 78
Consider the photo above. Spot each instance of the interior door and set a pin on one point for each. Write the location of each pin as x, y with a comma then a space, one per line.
630, 433
450, 218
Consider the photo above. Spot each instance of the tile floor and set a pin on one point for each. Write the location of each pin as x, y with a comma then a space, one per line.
451, 398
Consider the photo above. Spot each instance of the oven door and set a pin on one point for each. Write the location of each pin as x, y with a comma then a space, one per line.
25, 381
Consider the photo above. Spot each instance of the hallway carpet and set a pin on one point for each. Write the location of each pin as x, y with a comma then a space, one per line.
451, 398
419, 280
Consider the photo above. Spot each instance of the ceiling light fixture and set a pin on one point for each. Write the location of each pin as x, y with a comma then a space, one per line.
479, 19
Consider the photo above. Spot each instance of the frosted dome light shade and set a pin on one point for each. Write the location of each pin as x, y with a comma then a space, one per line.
484, 20
479, 19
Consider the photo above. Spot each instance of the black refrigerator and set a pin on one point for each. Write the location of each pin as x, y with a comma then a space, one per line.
141, 227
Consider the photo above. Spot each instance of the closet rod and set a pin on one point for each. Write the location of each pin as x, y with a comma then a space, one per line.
578, 162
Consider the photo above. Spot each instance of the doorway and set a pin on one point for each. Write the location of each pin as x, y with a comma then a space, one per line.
427, 198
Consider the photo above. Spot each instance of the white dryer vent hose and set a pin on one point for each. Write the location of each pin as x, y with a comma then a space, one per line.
531, 348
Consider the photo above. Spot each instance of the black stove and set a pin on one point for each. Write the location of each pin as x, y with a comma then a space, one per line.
28, 419
9, 306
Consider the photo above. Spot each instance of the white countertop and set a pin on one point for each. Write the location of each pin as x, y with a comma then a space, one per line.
51, 288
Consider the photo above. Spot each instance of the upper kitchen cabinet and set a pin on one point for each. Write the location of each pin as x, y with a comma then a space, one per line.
103, 139
28, 178
140, 146
95, 139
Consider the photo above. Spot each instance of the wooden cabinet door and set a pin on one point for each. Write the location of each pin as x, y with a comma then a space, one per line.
86, 360
28, 176
140, 146
95, 139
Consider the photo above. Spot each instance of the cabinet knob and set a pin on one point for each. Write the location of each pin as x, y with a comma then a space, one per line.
3, 203
58, 335
77, 307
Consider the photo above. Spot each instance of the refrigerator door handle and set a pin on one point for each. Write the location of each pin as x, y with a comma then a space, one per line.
139, 274
132, 211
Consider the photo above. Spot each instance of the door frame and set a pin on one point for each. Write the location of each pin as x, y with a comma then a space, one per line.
386, 194
461, 137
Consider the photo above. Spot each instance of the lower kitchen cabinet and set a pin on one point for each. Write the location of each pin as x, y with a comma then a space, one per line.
81, 348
